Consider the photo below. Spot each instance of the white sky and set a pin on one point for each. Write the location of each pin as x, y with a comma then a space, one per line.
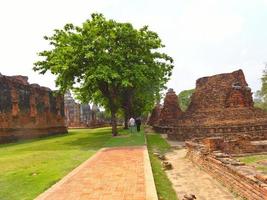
204, 37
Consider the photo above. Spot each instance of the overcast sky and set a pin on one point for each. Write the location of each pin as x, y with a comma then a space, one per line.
204, 37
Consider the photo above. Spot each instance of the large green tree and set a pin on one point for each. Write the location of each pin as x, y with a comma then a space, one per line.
102, 59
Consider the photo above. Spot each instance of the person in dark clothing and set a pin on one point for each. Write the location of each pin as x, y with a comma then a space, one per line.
138, 123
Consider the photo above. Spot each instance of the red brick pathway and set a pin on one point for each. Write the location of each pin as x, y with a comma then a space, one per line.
112, 174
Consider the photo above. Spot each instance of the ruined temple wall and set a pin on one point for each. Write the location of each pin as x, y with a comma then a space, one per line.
182, 133
235, 145
229, 172
28, 110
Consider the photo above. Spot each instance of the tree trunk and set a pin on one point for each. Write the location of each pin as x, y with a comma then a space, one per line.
109, 92
127, 106
114, 123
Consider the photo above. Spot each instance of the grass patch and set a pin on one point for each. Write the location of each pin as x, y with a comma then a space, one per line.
156, 143
255, 161
127, 139
30, 167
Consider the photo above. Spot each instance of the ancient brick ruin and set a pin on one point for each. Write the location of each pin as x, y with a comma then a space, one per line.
155, 115
215, 156
28, 110
221, 105
77, 115
235, 145
170, 111
81, 115
220, 123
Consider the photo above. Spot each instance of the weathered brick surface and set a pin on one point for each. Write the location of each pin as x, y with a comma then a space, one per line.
221, 91
235, 145
239, 178
171, 110
155, 115
28, 110
221, 105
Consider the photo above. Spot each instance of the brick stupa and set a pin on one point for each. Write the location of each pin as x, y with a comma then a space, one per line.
221, 105
155, 114
171, 110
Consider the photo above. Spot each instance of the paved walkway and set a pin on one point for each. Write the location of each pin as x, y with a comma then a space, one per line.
189, 179
111, 174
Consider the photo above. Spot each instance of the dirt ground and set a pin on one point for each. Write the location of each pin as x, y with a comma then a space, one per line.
190, 179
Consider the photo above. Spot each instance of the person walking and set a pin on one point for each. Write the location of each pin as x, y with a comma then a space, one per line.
131, 124
138, 123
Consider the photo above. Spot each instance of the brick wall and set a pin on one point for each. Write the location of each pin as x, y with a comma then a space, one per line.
28, 110
234, 175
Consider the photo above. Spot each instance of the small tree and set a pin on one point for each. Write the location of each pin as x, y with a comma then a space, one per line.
102, 59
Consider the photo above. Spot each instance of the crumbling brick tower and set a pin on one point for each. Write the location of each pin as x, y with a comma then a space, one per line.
155, 114
221, 105
171, 109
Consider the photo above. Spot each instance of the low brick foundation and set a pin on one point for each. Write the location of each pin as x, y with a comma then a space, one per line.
257, 131
235, 145
15, 134
236, 176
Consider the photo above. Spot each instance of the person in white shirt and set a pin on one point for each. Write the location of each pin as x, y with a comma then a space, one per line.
132, 125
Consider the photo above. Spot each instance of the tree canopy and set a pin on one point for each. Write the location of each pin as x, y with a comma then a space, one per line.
107, 62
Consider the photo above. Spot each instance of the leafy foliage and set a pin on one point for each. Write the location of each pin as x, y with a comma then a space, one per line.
102, 59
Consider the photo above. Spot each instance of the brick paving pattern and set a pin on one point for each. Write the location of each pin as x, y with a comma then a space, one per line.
112, 174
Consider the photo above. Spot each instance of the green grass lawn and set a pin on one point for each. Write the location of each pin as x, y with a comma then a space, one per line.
164, 187
127, 139
28, 168
255, 161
